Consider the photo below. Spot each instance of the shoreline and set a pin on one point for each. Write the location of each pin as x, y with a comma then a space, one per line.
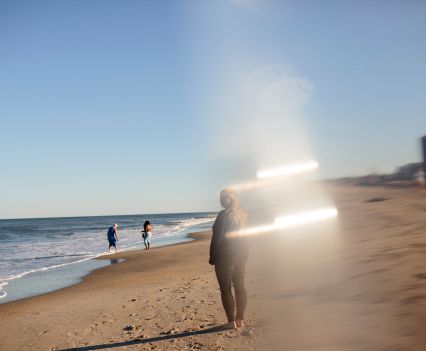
64, 250
63, 318
354, 283
115, 258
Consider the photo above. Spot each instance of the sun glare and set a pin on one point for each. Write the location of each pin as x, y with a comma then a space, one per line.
289, 221
305, 217
287, 170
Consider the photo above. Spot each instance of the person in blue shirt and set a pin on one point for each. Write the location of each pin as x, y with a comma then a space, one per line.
112, 237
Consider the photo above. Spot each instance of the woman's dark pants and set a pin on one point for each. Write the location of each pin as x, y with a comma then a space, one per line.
228, 275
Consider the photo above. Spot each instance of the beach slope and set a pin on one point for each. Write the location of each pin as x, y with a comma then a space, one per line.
357, 283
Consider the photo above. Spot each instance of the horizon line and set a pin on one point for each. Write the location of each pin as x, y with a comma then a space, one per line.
109, 215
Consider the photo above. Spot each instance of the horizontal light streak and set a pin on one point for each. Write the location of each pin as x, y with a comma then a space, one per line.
287, 170
267, 177
305, 217
255, 184
288, 221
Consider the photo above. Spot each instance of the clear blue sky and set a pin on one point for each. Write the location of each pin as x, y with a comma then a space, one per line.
115, 107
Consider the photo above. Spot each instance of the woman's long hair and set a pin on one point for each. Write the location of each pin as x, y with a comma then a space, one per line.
146, 224
235, 215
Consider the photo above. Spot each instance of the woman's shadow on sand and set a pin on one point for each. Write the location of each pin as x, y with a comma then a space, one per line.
215, 329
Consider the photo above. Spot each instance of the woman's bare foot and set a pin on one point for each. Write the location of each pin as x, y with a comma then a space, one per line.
229, 325
239, 323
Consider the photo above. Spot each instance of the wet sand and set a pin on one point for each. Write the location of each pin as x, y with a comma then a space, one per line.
357, 283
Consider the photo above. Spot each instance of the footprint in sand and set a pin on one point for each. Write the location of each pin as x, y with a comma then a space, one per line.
129, 328
195, 346
420, 275
173, 330
247, 332
414, 299
142, 336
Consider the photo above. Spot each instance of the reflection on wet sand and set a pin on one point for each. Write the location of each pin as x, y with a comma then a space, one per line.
117, 260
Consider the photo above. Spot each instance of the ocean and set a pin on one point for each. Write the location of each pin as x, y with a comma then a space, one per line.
46, 254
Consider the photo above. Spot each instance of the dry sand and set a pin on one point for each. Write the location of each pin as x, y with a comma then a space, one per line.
358, 283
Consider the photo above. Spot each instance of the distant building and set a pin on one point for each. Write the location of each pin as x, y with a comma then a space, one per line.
405, 176
408, 171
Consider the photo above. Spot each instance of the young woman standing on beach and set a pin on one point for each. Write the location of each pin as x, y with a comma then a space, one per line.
229, 256
147, 234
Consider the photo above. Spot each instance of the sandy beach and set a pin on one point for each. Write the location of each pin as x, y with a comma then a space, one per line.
357, 283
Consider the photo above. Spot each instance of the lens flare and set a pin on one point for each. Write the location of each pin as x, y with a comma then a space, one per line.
256, 184
287, 170
305, 217
274, 176
288, 221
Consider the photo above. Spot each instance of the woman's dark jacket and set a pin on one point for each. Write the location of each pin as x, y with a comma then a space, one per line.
223, 248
